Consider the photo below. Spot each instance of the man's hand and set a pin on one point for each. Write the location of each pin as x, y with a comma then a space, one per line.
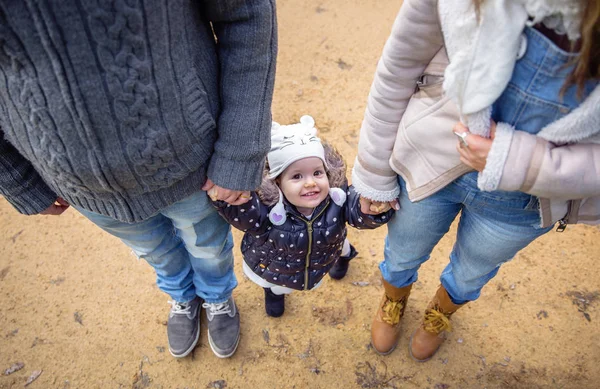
233, 197
371, 207
59, 206
475, 154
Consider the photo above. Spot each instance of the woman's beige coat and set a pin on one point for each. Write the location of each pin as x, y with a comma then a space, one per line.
407, 128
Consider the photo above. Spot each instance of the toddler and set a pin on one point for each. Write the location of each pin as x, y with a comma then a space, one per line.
295, 225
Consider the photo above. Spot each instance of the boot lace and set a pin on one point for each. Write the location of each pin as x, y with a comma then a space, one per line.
436, 321
392, 311
178, 308
218, 309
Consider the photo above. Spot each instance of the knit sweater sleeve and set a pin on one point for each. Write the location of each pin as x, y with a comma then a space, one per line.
20, 184
246, 34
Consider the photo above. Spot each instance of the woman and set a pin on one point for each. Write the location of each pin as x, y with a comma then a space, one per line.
530, 66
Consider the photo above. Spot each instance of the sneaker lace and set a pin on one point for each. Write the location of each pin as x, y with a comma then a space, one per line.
218, 308
178, 308
392, 311
436, 321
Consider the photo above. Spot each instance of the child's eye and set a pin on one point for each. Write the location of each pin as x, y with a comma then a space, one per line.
318, 173
296, 176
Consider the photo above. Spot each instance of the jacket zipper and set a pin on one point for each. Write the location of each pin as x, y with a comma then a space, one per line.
309, 250
562, 223
429, 79
571, 217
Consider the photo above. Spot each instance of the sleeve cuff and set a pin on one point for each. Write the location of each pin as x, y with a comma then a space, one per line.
235, 175
374, 194
489, 179
35, 199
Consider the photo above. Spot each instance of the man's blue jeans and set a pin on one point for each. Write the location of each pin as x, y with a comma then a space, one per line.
188, 244
493, 227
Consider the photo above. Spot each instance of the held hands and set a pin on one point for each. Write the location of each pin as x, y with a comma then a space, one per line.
371, 207
59, 206
474, 153
233, 197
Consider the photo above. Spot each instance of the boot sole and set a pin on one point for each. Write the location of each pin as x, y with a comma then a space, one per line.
384, 353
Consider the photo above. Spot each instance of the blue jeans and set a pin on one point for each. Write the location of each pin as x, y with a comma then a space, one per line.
188, 244
493, 226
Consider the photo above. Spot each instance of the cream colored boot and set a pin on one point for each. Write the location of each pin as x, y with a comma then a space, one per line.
428, 338
385, 329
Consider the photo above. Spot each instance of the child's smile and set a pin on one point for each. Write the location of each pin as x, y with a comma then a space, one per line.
305, 184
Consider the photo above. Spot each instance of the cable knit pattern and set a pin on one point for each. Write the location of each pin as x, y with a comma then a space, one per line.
194, 109
118, 28
25, 92
124, 107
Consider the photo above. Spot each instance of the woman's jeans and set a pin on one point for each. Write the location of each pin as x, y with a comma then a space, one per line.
188, 244
493, 226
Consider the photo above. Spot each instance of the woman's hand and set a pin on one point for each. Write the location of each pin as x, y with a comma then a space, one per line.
475, 153
59, 206
371, 207
233, 197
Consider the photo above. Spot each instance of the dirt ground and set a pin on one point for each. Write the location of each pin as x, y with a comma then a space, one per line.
77, 306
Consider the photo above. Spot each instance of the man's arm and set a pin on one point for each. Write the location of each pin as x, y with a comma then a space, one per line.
246, 34
20, 184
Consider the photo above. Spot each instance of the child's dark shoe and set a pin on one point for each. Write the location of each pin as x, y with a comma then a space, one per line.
274, 303
340, 267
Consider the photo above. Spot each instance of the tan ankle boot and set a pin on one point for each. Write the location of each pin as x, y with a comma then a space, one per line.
430, 335
385, 329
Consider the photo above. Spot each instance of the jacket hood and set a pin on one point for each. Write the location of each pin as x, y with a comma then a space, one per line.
336, 172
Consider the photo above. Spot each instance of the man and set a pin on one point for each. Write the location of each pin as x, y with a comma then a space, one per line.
130, 111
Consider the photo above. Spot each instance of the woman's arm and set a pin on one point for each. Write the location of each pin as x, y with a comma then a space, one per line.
536, 166
519, 161
415, 38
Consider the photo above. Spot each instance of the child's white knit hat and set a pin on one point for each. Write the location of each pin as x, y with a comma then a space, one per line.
293, 142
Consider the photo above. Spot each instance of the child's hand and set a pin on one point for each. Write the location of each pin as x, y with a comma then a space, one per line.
371, 207
233, 197
59, 206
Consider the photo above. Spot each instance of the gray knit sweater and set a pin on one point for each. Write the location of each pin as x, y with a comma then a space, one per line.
124, 107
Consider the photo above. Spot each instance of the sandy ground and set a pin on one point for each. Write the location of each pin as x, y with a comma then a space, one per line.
77, 306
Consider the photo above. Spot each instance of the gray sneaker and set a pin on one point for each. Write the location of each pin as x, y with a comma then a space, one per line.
183, 327
223, 327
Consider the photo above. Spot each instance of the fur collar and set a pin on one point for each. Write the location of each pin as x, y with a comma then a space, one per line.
580, 125
269, 193
468, 44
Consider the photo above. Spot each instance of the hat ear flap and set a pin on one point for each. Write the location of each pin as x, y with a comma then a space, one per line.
277, 214
338, 196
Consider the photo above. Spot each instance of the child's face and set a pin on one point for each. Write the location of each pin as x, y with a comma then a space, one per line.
305, 184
